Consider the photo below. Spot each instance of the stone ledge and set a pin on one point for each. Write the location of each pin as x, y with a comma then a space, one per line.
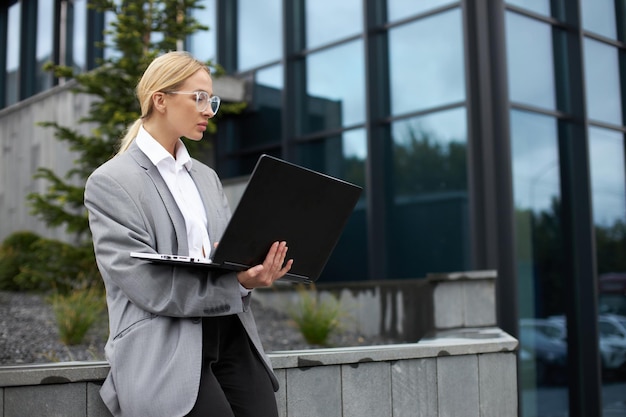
488, 274
53, 373
448, 343
444, 343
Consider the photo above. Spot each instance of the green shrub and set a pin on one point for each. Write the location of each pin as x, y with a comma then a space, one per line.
76, 312
16, 252
59, 266
29, 262
315, 319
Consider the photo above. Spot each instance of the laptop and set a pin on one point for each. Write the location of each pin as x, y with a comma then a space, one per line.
281, 202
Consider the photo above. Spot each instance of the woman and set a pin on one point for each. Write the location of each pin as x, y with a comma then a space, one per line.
183, 341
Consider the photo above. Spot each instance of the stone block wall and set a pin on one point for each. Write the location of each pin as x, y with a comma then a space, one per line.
472, 373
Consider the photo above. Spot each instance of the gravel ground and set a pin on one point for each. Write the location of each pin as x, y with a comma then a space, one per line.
28, 333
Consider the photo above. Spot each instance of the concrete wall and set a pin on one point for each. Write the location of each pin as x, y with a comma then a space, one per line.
406, 309
25, 146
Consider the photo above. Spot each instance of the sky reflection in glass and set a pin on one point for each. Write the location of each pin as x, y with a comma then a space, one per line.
335, 87
536, 179
530, 61
399, 9
426, 63
202, 44
330, 20
599, 16
602, 81
260, 32
608, 176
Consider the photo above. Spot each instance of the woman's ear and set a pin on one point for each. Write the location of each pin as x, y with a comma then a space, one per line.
158, 100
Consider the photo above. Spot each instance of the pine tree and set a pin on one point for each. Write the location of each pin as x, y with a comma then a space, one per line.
140, 31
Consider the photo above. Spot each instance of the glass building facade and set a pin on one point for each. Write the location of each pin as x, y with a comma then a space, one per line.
486, 134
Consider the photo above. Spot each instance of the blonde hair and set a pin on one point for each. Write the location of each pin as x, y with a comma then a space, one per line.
166, 73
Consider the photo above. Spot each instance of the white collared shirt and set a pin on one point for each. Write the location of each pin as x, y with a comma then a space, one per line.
175, 172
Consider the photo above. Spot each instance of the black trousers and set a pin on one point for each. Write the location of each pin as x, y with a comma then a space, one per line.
234, 381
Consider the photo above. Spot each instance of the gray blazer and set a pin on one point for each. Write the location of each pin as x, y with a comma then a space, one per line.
155, 341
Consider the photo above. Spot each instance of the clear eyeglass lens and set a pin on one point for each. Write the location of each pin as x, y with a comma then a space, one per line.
215, 104
203, 100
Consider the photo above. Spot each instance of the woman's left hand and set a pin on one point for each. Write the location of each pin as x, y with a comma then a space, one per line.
272, 268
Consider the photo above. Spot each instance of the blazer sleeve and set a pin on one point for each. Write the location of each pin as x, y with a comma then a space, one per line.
124, 218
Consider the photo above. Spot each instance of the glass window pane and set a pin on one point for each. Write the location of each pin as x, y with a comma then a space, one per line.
535, 162
608, 181
398, 9
426, 63
343, 156
259, 32
537, 6
429, 217
602, 82
260, 124
202, 44
13, 54
45, 35
330, 20
608, 190
530, 61
257, 130
270, 77
599, 17
78, 59
335, 88
536, 192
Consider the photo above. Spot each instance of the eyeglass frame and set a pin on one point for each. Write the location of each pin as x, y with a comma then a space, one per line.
210, 99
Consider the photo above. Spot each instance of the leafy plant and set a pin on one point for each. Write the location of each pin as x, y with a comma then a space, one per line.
76, 312
15, 252
59, 266
316, 319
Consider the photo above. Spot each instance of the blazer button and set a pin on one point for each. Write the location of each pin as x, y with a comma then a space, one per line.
196, 320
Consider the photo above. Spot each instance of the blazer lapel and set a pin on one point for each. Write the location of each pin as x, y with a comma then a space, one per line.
178, 221
208, 200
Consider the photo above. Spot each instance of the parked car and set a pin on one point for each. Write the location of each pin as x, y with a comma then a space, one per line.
611, 340
542, 342
612, 333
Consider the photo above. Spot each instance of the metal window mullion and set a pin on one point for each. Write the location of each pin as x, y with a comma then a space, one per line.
489, 153
585, 398
95, 27
227, 35
294, 95
226, 56
4, 24
28, 50
379, 163
59, 34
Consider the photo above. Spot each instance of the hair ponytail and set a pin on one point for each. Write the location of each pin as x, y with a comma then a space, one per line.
130, 135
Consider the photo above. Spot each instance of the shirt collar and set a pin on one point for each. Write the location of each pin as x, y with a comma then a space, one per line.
157, 153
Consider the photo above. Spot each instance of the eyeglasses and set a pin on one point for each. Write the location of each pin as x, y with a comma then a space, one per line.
202, 100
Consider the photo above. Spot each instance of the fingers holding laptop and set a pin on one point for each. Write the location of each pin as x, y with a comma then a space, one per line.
272, 268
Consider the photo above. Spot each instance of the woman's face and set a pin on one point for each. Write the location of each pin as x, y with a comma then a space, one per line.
182, 114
